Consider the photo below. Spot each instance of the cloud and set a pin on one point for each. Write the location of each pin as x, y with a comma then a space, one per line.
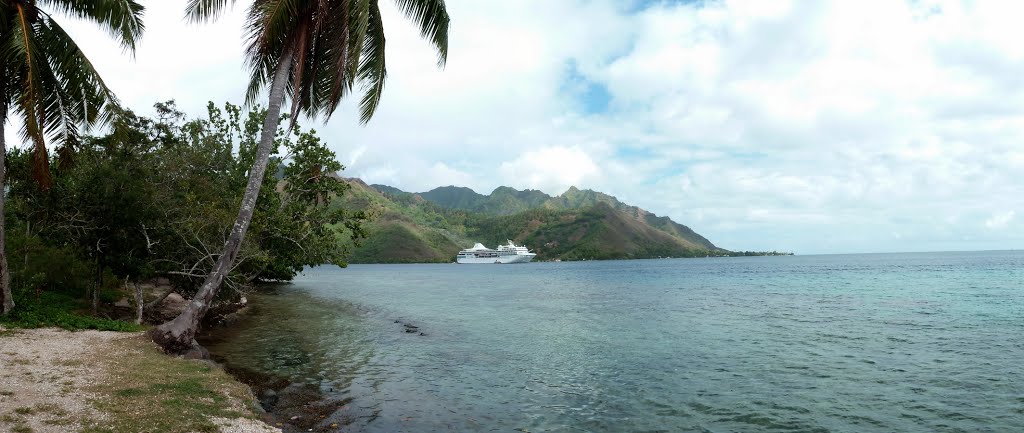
999, 220
551, 168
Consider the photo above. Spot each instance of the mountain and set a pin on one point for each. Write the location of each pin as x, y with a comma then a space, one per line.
579, 224
456, 197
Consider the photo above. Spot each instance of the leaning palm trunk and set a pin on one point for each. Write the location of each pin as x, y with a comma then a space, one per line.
5, 273
178, 335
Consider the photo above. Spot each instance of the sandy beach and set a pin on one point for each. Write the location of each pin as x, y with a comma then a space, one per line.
58, 381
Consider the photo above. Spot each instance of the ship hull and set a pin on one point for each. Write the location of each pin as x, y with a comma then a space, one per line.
521, 258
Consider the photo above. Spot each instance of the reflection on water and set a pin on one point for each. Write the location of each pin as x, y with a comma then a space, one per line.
915, 342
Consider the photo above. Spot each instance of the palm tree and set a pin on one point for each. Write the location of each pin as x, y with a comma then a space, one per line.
319, 50
48, 83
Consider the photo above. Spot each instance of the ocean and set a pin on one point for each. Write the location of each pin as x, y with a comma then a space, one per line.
918, 342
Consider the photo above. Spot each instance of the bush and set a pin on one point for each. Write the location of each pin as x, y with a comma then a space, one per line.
58, 310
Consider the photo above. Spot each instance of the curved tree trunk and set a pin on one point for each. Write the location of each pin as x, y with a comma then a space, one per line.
5, 272
152, 304
178, 335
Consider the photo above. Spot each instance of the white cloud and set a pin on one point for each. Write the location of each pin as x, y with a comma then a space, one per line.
999, 220
551, 169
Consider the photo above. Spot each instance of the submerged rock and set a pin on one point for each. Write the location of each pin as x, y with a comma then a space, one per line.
268, 398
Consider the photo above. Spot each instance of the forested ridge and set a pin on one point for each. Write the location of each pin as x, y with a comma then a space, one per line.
579, 224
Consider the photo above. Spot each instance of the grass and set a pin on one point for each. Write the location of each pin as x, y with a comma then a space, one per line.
56, 416
148, 391
59, 310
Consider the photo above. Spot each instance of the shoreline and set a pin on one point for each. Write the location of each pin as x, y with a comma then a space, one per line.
284, 404
105, 381
291, 406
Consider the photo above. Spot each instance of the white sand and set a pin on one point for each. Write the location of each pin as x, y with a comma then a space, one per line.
43, 375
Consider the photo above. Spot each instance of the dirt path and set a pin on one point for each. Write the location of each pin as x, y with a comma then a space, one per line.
52, 381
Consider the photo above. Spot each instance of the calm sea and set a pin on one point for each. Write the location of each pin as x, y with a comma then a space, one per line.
840, 343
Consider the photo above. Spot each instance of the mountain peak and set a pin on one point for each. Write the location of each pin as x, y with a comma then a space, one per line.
579, 224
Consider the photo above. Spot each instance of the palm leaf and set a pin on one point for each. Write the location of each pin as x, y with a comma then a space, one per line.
205, 10
27, 54
372, 70
332, 45
121, 18
432, 18
85, 98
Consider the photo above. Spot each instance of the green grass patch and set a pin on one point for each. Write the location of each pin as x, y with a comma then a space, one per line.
61, 311
149, 391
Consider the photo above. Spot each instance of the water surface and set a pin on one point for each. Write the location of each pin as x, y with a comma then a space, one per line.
844, 343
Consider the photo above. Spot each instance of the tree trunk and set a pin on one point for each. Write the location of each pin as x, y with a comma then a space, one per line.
152, 304
5, 272
138, 303
178, 335
96, 285
28, 234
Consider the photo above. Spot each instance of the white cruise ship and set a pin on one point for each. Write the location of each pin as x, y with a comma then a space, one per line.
510, 253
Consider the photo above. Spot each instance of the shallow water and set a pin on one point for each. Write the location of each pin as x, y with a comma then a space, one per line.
844, 343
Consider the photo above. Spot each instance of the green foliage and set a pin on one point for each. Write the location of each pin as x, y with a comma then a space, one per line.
156, 197
455, 197
47, 81
58, 310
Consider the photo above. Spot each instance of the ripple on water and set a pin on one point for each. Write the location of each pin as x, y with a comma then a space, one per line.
873, 343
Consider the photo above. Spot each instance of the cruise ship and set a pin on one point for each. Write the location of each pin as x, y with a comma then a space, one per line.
510, 253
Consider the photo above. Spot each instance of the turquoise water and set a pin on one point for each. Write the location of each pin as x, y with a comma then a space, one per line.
844, 343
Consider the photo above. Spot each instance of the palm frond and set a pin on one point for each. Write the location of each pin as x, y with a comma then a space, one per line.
273, 20
29, 61
121, 18
205, 10
89, 102
336, 77
372, 70
431, 16
302, 55
332, 45
268, 32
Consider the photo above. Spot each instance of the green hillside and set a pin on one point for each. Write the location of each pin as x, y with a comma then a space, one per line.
577, 225
455, 197
509, 201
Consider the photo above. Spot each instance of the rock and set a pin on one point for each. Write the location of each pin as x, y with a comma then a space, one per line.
170, 308
225, 313
123, 303
268, 398
196, 352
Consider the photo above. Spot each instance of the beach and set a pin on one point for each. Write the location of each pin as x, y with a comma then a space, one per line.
59, 381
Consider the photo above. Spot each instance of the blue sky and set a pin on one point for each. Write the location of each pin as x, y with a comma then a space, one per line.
814, 127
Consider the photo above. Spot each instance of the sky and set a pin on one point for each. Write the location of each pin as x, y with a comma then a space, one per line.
803, 126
